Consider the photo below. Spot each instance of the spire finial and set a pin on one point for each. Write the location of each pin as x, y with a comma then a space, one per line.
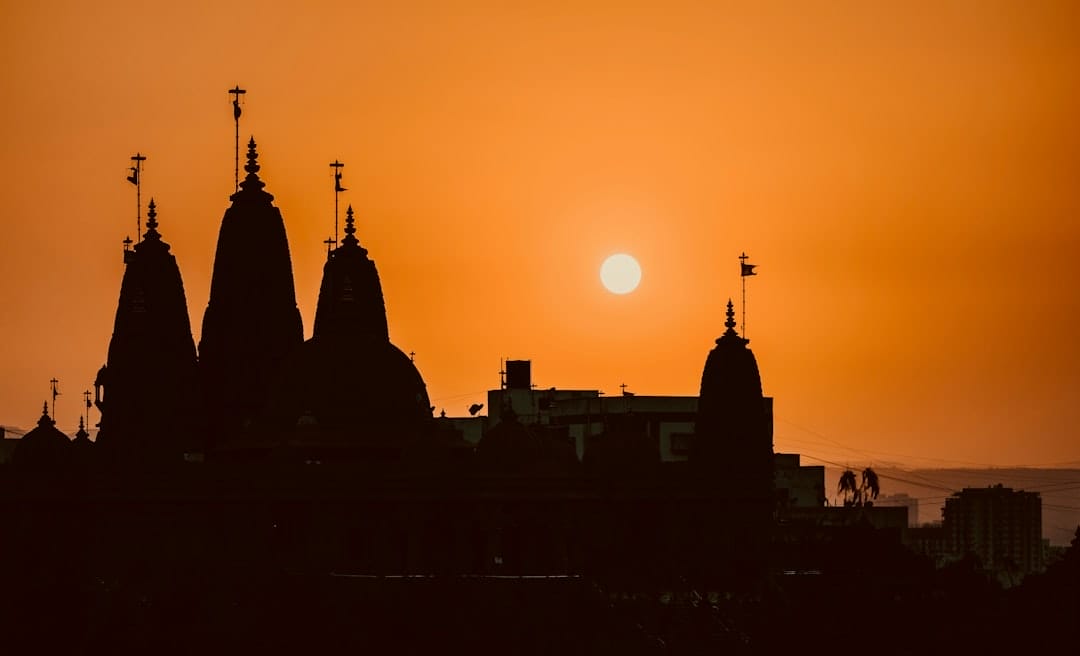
252, 181
252, 166
151, 222
82, 426
350, 241
350, 226
45, 420
730, 323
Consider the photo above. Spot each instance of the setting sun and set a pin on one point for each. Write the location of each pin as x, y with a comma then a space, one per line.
620, 273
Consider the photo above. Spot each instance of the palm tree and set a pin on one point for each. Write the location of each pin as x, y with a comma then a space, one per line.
870, 487
848, 488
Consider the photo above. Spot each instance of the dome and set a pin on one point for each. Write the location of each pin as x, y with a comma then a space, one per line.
364, 392
43, 447
348, 385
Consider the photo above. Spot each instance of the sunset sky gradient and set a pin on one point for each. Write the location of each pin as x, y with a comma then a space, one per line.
906, 176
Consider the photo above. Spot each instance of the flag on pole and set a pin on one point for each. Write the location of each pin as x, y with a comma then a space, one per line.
236, 108
748, 269
337, 182
134, 177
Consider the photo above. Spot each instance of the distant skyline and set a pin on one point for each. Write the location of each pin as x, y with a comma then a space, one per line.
904, 177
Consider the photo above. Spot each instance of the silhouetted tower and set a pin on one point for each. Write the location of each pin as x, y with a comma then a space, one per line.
350, 299
251, 322
732, 455
348, 379
148, 390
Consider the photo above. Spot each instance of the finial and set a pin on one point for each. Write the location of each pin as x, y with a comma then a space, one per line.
350, 228
45, 419
252, 181
151, 222
82, 426
730, 323
350, 241
252, 165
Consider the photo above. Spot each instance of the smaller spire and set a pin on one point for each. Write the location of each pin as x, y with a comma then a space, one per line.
151, 222
45, 420
252, 181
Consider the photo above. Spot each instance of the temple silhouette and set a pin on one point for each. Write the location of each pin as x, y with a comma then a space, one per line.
263, 492
262, 457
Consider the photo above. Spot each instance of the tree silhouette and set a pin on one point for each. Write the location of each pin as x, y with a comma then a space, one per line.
869, 489
848, 488
856, 494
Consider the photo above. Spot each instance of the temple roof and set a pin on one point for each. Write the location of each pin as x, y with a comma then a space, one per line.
44, 446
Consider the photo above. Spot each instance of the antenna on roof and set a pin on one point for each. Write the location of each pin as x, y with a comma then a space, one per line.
236, 92
136, 179
337, 166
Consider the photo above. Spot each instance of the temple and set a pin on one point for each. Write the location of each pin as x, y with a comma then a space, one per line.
148, 391
348, 392
252, 322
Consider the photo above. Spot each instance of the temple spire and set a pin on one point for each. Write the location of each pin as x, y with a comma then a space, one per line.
45, 420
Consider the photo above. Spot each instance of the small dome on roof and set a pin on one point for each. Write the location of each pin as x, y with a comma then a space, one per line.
44, 446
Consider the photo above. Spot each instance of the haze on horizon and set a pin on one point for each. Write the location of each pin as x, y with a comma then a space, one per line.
904, 177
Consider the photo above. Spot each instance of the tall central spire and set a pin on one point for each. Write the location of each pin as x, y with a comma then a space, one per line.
252, 322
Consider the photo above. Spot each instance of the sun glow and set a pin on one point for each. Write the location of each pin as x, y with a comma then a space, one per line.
620, 273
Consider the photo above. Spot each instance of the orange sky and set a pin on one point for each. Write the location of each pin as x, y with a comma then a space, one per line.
904, 174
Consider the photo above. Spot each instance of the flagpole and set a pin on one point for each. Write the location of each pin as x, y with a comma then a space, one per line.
136, 170
86, 398
55, 392
337, 166
236, 92
742, 275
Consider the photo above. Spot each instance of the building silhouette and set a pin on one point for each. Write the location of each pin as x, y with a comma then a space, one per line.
43, 448
252, 322
148, 391
1000, 526
261, 459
